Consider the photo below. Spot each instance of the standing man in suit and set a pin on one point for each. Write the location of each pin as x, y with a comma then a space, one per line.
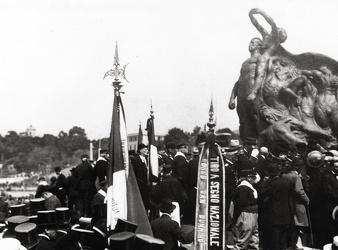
297, 202
168, 230
277, 190
330, 197
61, 185
85, 184
100, 168
180, 167
140, 166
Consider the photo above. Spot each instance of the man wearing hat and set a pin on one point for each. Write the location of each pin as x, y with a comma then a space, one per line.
142, 174
51, 201
168, 230
41, 185
170, 188
100, 168
85, 182
277, 190
330, 200
100, 196
163, 156
61, 186
191, 190
298, 202
245, 229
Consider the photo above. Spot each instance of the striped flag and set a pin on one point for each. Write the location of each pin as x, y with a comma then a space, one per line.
123, 196
153, 156
117, 180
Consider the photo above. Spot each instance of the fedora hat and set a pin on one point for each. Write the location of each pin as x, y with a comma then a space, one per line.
167, 206
141, 146
26, 234
11, 244
19, 209
12, 223
146, 242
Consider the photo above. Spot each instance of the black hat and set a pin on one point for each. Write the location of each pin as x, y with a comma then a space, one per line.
167, 206
26, 234
125, 226
62, 215
19, 209
273, 169
14, 221
145, 242
85, 237
140, 147
170, 145
250, 141
36, 205
42, 178
159, 147
122, 240
247, 173
47, 218
104, 183
33, 219
57, 169
103, 151
84, 156
181, 145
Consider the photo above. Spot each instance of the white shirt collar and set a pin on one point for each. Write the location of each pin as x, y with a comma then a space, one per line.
248, 184
180, 153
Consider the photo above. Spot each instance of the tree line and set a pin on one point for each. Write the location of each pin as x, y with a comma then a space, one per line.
41, 154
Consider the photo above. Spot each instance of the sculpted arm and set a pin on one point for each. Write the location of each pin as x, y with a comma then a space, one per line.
255, 23
233, 96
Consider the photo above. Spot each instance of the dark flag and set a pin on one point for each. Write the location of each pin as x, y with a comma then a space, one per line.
153, 155
140, 135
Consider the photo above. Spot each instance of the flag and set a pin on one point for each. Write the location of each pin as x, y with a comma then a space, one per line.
123, 196
153, 156
140, 135
210, 201
117, 180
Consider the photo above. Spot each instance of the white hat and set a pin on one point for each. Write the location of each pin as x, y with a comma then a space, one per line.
11, 244
329, 246
334, 212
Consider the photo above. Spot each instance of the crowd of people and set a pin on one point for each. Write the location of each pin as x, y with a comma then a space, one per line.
273, 199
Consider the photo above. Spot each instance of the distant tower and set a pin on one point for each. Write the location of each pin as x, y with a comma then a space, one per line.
30, 132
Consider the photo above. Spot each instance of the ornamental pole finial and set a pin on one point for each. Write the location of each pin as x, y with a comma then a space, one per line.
116, 72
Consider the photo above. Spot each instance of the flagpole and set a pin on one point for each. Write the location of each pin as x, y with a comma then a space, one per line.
118, 163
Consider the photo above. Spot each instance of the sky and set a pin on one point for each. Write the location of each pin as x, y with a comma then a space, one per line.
180, 54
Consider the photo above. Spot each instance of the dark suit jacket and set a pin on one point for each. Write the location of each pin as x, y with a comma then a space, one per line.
169, 231
277, 191
140, 170
298, 198
180, 169
168, 188
330, 193
100, 170
85, 176
191, 178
